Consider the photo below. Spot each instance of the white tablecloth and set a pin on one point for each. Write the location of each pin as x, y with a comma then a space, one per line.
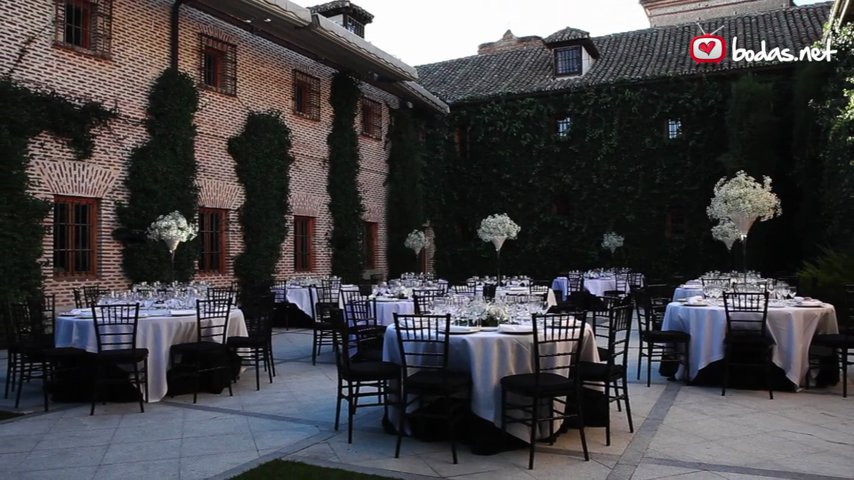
502, 291
489, 356
791, 327
156, 333
387, 308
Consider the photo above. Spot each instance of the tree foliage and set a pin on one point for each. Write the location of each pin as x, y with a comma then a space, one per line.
345, 199
160, 179
27, 113
262, 155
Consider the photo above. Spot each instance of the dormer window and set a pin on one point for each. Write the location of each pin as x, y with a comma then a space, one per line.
564, 125
674, 129
355, 26
568, 61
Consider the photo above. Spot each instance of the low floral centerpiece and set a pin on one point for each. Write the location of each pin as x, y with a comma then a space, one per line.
742, 200
495, 315
173, 229
497, 228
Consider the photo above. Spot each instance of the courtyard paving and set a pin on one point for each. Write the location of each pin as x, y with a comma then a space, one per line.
681, 433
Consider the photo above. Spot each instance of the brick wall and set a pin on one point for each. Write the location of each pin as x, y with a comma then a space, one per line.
139, 53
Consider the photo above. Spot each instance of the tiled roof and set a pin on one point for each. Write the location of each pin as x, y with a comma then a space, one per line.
566, 35
641, 55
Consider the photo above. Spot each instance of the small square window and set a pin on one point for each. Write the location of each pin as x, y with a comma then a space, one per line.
84, 25
372, 118
355, 26
564, 125
674, 129
568, 61
218, 68
306, 95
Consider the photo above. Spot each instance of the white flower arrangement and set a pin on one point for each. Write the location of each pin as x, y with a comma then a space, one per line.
742, 200
496, 228
726, 232
495, 314
416, 241
172, 228
611, 241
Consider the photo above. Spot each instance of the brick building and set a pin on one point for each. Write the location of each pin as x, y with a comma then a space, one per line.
246, 55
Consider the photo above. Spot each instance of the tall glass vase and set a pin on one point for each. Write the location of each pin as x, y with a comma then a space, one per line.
498, 242
172, 245
743, 224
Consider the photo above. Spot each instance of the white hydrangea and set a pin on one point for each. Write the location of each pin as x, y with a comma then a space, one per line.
496, 226
611, 241
726, 232
741, 199
416, 241
172, 227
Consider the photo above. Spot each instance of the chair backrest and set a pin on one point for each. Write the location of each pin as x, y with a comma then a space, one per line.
258, 315
540, 287
558, 341
849, 302
621, 281
350, 296
340, 340
423, 341
116, 326
746, 313
425, 300
619, 331
464, 289
360, 313
221, 293
635, 279
21, 329
91, 295
327, 291
212, 319
574, 282
652, 298
78, 298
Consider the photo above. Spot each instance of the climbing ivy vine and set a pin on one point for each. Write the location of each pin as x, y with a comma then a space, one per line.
345, 200
160, 179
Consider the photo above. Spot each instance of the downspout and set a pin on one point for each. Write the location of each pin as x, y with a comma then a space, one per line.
173, 42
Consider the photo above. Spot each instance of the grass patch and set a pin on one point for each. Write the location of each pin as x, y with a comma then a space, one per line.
279, 469
8, 415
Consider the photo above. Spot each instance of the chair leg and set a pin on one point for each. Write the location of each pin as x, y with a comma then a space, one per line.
95, 385
314, 347
45, 367
768, 364
607, 414
268, 358
843, 362
628, 406
270, 353
687, 363
351, 410
640, 358
451, 429
581, 430
401, 417
20, 386
257, 369
726, 372
138, 384
10, 373
648, 364
533, 437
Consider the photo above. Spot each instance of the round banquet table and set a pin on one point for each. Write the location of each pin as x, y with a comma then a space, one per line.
791, 327
489, 356
157, 331
596, 286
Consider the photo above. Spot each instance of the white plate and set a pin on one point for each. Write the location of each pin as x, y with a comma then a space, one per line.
697, 304
460, 330
182, 313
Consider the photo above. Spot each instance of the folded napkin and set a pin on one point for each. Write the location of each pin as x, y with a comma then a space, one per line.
182, 312
696, 300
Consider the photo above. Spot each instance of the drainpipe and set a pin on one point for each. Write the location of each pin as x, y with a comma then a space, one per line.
173, 45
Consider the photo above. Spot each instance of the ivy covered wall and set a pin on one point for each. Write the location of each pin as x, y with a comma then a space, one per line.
617, 170
25, 114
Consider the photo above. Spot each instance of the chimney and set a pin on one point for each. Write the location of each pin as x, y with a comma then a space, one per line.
674, 12
509, 42
345, 13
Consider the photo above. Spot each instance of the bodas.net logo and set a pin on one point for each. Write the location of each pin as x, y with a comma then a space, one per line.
708, 48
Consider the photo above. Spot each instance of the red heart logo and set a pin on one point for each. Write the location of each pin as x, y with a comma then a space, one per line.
707, 47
